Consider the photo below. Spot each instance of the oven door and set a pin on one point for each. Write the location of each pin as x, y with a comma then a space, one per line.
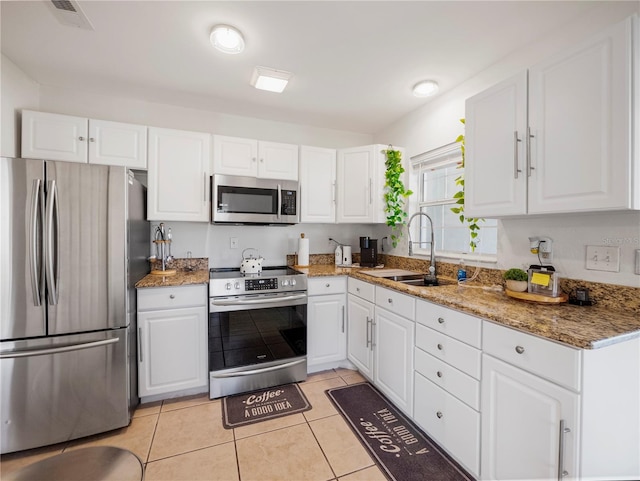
247, 200
256, 341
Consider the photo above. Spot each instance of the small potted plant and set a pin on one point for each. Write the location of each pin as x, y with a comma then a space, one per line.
516, 280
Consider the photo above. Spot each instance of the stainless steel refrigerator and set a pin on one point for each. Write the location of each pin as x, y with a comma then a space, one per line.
73, 242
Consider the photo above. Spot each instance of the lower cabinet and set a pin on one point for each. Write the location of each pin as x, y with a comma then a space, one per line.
360, 319
326, 323
172, 340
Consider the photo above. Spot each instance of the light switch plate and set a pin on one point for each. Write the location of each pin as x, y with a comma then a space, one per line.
603, 258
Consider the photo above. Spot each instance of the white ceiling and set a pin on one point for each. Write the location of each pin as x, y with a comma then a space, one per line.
354, 63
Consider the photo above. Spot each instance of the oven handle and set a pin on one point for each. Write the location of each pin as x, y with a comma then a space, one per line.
259, 371
237, 302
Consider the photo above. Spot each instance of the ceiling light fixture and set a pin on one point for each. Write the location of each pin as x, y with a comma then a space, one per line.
227, 39
426, 88
265, 78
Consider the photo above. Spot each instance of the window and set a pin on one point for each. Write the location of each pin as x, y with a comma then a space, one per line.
433, 180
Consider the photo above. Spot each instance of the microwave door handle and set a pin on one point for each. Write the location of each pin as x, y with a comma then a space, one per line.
279, 202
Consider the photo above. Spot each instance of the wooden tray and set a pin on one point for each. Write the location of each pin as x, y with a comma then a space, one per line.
528, 296
168, 272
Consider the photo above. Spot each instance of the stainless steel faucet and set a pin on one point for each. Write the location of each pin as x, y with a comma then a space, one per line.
432, 261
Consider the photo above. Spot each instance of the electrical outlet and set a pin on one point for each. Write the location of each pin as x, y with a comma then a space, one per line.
233, 242
603, 258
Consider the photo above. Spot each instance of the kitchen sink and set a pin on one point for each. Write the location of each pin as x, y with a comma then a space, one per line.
410, 278
426, 281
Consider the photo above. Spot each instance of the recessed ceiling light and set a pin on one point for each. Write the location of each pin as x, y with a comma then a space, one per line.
426, 88
227, 39
265, 78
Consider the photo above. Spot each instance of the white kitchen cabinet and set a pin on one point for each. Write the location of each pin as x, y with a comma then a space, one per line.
253, 158
178, 175
360, 184
326, 323
393, 342
548, 408
361, 316
447, 380
317, 185
78, 139
576, 151
172, 340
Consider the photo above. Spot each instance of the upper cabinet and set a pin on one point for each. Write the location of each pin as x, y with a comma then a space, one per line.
253, 158
317, 185
360, 184
575, 150
178, 178
78, 139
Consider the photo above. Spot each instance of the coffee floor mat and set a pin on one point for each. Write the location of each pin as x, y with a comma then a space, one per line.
270, 403
402, 451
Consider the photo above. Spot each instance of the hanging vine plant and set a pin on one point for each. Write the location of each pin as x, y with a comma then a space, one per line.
472, 222
395, 194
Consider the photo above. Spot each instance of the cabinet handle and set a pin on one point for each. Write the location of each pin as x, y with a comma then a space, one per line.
373, 325
368, 332
357, 289
262, 160
342, 318
327, 285
529, 166
334, 192
515, 154
519, 349
439, 346
439, 414
253, 159
390, 301
440, 320
563, 430
91, 139
172, 296
439, 373
81, 138
140, 344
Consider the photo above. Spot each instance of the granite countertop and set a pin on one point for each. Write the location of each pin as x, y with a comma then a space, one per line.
589, 327
180, 278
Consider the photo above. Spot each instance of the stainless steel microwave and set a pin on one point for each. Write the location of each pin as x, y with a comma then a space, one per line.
247, 200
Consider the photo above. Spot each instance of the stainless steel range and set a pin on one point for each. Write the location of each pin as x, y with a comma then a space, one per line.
257, 329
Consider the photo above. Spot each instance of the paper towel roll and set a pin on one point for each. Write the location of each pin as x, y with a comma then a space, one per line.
303, 251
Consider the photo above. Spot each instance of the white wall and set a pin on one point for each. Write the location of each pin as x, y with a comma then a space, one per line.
17, 91
437, 123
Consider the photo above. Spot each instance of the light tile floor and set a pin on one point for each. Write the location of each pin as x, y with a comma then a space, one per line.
183, 440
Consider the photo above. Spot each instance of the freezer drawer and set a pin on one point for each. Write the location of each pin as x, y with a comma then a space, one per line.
63, 388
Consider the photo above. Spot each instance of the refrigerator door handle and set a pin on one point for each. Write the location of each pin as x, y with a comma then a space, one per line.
51, 242
35, 257
57, 350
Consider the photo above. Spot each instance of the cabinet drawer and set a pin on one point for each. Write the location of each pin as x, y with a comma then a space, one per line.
462, 386
157, 298
326, 285
393, 301
453, 424
560, 364
447, 349
456, 324
362, 289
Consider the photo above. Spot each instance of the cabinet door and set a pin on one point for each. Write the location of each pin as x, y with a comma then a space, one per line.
326, 329
277, 161
173, 350
235, 156
178, 175
360, 318
116, 143
317, 185
495, 162
54, 137
581, 111
522, 416
393, 358
355, 185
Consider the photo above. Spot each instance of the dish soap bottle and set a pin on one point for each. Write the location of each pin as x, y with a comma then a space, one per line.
462, 273
338, 255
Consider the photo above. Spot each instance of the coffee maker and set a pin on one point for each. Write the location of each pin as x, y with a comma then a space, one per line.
368, 252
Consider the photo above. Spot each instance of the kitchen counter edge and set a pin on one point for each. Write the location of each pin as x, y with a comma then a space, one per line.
180, 278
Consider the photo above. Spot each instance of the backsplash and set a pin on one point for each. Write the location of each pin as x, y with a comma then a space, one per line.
608, 295
182, 264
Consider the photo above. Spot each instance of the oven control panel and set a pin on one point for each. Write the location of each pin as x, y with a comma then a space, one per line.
261, 284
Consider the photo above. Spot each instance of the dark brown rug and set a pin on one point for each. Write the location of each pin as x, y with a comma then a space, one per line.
403, 452
274, 402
